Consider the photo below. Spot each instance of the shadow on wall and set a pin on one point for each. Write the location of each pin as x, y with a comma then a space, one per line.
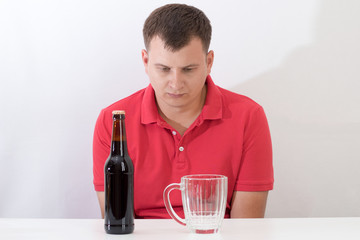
312, 103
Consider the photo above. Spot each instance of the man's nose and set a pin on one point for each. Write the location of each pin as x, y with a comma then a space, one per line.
176, 81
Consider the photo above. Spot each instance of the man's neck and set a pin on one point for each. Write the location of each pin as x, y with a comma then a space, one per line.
181, 118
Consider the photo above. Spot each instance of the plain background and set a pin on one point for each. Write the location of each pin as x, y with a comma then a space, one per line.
61, 62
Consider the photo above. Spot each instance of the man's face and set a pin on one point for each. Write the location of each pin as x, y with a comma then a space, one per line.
178, 78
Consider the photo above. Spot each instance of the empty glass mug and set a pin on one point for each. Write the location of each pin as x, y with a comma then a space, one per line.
204, 199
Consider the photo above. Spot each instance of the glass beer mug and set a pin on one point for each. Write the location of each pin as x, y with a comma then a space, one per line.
204, 199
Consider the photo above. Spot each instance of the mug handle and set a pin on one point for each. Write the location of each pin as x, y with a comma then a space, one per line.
168, 206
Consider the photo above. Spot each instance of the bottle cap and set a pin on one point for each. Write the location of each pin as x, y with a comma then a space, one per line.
118, 112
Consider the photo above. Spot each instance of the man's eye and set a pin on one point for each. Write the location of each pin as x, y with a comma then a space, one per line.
188, 69
165, 69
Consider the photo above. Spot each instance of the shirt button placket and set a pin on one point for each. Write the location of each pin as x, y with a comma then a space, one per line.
182, 155
180, 158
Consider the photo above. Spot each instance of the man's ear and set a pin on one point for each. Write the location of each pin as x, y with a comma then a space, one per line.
145, 59
209, 61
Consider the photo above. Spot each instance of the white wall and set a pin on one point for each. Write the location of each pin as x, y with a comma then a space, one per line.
62, 61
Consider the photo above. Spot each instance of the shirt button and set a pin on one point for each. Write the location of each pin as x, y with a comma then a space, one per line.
181, 149
174, 133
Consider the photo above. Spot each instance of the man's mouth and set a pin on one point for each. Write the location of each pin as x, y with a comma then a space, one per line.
175, 95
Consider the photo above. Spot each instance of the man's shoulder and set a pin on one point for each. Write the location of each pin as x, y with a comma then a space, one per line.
130, 104
234, 98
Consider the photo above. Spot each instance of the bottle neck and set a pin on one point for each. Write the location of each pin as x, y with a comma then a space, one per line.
119, 148
118, 140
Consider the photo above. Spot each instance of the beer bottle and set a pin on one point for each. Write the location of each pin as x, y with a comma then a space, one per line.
119, 181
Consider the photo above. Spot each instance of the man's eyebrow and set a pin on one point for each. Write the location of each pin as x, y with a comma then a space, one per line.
161, 65
194, 65
191, 65
187, 66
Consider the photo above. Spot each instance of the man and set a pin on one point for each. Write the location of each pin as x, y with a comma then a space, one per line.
182, 123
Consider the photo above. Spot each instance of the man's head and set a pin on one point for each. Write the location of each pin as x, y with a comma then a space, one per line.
176, 25
176, 58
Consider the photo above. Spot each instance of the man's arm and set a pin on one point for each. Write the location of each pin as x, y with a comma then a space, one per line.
248, 204
101, 198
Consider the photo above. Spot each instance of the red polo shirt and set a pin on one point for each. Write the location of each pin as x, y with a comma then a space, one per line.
230, 137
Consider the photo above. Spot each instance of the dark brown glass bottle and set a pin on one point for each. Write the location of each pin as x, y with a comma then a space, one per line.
119, 181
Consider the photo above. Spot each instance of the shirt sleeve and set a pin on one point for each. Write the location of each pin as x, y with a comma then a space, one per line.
101, 150
256, 169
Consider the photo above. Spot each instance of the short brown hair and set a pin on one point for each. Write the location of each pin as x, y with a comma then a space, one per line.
176, 25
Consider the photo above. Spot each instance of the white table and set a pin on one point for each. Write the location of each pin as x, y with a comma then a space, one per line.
244, 229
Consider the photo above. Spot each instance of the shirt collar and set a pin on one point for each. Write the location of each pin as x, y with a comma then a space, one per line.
212, 108
149, 111
213, 104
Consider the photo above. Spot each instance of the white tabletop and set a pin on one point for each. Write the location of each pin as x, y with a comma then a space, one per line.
246, 229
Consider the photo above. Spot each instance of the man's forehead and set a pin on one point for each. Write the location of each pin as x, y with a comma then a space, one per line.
158, 42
